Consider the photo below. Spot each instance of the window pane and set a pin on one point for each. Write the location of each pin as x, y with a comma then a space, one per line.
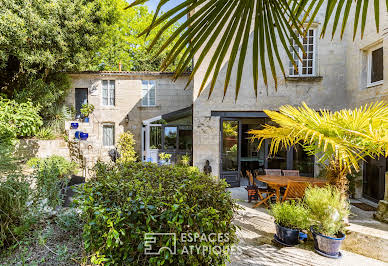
377, 68
170, 134
155, 137
112, 92
303, 162
108, 135
229, 151
308, 44
144, 92
151, 96
105, 92
185, 139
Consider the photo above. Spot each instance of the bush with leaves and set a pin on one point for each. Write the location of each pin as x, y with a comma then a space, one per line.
14, 193
328, 209
52, 175
126, 148
291, 214
45, 133
22, 118
125, 201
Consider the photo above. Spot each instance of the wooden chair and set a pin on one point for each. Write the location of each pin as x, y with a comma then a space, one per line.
263, 192
295, 190
290, 172
276, 172
253, 190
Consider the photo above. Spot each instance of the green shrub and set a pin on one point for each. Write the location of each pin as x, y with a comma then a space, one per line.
126, 148
45, 133
185, 160
22, 118
87, 109
69, 220
52, 175
328, 209
291, 214
14, 193
125, 201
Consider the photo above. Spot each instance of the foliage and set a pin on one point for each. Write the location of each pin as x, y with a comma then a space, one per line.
125, 201
87, 109
49, 92
185, 160
291, 214
328, 209
69, 220
56, 120
230, 129
339, 139
233, 23
165, 156
126, 148
52, 175
14, 193
19, 119
45, 133
121, 44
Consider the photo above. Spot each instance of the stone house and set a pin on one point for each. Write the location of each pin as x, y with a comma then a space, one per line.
336, 74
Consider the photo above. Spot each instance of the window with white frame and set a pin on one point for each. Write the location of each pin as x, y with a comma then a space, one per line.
375, 65
108, 92
108, 135
306, 66
148, 88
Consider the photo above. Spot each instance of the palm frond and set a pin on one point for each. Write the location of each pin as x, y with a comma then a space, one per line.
220, 30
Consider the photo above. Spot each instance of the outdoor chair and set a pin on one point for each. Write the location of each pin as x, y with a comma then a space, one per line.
290, 172
275, 172
262, 191
295, 190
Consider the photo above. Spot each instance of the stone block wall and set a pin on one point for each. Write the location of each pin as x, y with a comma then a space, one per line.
30, 148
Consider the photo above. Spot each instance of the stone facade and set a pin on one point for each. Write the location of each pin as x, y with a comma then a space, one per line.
128, 112
339, 82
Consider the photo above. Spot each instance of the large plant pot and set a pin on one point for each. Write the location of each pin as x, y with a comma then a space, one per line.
328, 246
84, 136
86, 119
77, 134
74, 125
286, 236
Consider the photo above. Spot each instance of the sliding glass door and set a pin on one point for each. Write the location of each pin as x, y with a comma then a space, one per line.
230, 151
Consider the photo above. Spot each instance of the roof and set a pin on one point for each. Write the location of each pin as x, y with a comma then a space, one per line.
188, 111
126, 73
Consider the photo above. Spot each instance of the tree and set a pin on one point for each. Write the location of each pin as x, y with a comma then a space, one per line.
340, 140
40, 39
120, 44
233, 21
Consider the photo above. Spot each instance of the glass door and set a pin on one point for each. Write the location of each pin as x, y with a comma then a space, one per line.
230, 151
374, 178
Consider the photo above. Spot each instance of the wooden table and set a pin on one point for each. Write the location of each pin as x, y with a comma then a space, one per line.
276, 182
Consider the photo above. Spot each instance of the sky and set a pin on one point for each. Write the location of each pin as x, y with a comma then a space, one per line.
152, 4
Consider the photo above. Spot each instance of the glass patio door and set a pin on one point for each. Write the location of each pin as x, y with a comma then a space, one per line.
230, 151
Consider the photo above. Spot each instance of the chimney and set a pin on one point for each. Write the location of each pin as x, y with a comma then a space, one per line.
119, 66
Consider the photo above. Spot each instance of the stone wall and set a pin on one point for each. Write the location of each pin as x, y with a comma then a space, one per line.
170, 96
30, 148
326, 90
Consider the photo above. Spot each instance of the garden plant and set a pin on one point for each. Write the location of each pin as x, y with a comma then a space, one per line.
125, 201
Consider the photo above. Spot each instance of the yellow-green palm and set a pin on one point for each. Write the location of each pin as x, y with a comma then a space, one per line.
271, 23
338, 139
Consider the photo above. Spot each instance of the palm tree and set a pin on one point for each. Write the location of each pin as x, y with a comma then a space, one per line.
340, 140
233, 21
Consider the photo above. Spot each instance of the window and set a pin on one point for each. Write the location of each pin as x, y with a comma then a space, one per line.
108, 92
170, 135
375, 66
306, 66
108, 135
148, 92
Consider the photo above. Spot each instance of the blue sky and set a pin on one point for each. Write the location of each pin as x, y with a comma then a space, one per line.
152, 4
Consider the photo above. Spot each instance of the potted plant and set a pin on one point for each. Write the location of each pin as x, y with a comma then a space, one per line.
328, 211
290, 219
86, 110
74, 125
164, 158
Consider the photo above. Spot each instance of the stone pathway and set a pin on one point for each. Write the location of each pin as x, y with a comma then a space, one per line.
257, 248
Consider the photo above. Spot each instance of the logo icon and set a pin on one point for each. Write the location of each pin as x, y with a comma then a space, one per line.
153, 241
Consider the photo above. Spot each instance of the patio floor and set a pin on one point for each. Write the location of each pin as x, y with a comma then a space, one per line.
256, 246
